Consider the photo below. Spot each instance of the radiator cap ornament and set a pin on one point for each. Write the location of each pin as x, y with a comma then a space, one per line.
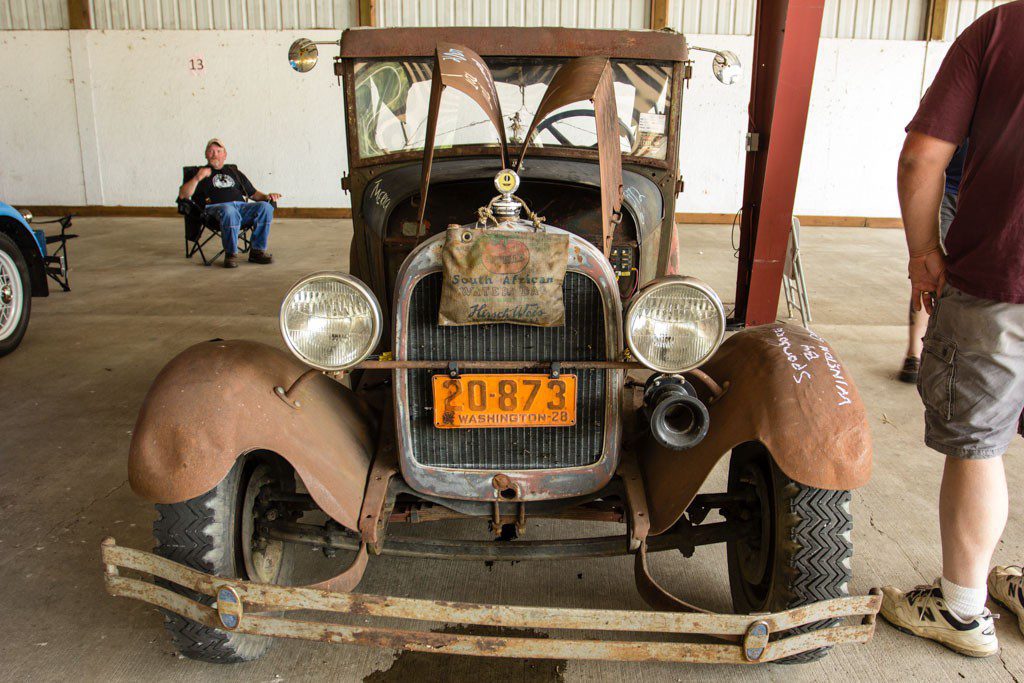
506, 206
507, 181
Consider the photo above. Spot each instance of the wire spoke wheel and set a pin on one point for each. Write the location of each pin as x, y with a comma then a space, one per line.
15, 295
12, 291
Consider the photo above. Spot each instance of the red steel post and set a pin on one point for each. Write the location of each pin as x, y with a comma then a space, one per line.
785, 50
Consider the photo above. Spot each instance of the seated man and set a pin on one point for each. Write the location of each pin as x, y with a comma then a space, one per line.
223, 192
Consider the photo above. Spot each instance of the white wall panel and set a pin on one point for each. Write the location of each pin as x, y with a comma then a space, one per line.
864, 93
39, 141
621, 14
284, 129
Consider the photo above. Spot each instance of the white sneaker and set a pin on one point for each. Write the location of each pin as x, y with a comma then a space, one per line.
923, 612
1005, 587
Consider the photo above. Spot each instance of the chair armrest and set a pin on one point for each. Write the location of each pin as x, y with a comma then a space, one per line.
187, 207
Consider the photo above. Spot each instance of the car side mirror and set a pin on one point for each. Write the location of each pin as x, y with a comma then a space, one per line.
726, 65
303, 55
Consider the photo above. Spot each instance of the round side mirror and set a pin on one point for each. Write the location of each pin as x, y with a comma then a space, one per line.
727, 67
302, 55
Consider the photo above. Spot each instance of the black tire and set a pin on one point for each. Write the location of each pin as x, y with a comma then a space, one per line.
14, 282
205, 533
803, 553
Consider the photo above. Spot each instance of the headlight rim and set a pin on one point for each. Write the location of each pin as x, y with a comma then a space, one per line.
661, 283
363, 288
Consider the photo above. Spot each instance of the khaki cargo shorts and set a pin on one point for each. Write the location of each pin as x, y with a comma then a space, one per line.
972, 375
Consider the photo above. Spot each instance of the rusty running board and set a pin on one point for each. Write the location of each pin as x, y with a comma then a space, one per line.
238, 603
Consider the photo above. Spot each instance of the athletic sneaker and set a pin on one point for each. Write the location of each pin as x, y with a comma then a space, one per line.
1004, 585
923, 612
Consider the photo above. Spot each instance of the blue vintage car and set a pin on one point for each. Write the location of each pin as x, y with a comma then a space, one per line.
24, 269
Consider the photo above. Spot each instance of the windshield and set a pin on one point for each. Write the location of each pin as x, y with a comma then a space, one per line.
392, 99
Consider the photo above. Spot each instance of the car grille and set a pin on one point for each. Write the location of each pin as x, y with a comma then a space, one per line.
515, 448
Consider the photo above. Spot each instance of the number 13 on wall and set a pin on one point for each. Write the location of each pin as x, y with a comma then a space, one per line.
196, 65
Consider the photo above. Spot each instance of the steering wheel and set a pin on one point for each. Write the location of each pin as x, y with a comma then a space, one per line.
546, 124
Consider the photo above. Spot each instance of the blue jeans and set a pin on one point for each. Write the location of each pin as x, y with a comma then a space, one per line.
233, 215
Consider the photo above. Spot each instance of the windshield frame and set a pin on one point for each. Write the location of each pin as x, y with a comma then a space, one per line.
347, 68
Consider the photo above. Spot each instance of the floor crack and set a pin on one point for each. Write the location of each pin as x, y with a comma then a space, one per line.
1007, 668
871, 523
69, 522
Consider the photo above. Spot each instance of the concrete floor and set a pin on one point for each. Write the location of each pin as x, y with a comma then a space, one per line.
71, 392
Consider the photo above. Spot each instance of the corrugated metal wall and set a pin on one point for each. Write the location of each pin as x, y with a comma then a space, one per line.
223, 14
33, 14
570, 13
962, 13
875, 19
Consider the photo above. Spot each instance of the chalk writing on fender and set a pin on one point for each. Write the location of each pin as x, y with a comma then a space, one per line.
836, 369
813, 352
801, 368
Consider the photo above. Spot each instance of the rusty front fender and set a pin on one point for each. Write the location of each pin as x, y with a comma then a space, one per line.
786, 389
216, 401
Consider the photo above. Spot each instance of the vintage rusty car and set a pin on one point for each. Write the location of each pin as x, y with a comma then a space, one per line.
517, 340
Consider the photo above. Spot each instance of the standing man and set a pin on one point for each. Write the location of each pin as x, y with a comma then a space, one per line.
224, 191
972, 370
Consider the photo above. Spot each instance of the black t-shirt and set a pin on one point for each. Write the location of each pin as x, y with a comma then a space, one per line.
226, 185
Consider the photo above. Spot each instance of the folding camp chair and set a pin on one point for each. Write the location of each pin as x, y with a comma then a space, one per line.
201, 227
793, 284
58, 266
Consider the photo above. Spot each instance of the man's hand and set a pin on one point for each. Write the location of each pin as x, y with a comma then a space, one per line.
273, 196
927, 274
189, 187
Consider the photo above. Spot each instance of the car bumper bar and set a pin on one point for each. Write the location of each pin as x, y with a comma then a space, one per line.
239, 606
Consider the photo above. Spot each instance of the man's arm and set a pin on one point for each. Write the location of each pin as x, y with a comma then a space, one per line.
253, 193
920, 183
260, 197
188, 188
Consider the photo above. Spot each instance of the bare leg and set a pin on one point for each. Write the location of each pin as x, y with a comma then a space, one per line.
972, 514
918, 325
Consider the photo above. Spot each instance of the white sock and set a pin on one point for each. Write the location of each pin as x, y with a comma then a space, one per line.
965, 603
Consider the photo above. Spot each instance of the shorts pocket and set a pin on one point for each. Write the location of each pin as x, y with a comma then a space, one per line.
937, 375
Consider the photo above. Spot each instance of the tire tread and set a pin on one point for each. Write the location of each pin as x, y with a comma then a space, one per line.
821, 563
186, 533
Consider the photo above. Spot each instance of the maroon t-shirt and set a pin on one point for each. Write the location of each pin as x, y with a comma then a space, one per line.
979, 93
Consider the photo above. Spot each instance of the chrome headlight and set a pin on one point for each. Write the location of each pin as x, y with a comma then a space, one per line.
675, 324
331, 321
26, 214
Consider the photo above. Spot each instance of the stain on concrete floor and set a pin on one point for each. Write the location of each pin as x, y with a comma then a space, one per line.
426, 667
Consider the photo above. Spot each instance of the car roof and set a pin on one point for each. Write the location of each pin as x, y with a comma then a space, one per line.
515, 42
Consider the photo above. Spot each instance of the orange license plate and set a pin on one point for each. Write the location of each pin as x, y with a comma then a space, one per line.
476, 401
